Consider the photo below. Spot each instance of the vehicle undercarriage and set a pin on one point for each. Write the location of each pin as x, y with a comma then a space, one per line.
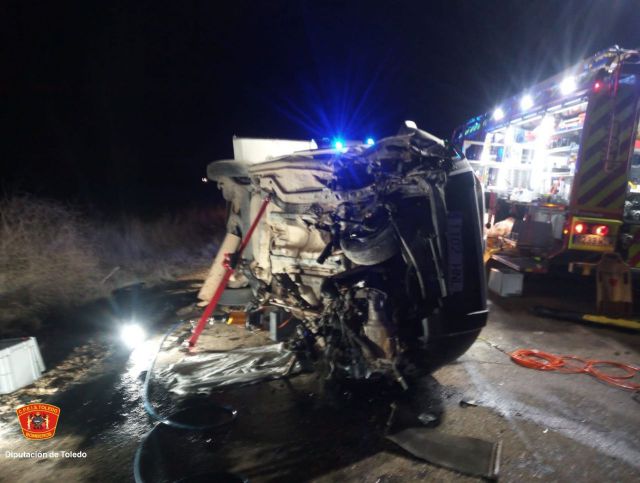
375, 250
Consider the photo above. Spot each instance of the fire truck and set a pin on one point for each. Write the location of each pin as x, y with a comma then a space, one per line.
560, 164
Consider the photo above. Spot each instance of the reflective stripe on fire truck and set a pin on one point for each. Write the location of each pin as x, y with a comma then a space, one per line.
608, 138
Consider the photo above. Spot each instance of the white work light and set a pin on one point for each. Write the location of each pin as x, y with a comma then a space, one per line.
132, 334
526, 102
568, 85
498, 114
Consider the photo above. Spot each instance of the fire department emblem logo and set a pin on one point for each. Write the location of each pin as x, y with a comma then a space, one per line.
38, 421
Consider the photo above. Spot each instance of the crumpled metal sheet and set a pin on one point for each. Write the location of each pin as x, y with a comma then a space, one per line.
471, 456
201, 373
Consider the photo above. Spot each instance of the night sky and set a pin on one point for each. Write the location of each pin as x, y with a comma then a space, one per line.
121, 106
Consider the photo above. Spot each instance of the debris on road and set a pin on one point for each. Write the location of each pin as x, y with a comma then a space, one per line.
471, 456
428, 419
206, 371
468, 403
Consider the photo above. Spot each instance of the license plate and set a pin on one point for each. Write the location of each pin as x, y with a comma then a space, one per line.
455, 248
592, 240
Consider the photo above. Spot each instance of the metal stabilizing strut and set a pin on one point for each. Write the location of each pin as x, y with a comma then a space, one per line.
230, 262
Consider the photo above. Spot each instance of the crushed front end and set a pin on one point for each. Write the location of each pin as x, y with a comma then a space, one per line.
375, 250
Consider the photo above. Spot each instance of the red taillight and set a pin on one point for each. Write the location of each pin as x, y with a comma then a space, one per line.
579, 228
597, 85
601, 230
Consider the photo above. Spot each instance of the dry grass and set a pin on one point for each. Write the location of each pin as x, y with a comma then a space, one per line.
45, 258
52, 255
161, 248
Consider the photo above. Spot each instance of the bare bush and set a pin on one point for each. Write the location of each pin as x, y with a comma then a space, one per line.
52, 255
160, 248
45, 258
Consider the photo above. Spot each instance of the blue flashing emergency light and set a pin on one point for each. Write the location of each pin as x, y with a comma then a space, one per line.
370, 142
338, 144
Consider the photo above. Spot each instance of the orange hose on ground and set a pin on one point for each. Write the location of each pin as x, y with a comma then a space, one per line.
545, 361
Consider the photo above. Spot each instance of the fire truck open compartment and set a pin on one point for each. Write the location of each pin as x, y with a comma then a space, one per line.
560, 165
532, 158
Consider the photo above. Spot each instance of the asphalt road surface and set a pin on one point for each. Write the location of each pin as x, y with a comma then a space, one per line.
553, 427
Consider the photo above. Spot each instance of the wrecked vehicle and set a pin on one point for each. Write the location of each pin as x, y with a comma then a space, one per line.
375, 249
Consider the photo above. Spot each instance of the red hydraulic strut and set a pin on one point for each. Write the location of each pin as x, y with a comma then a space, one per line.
230, 262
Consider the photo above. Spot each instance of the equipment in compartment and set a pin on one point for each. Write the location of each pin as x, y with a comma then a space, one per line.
564, 166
